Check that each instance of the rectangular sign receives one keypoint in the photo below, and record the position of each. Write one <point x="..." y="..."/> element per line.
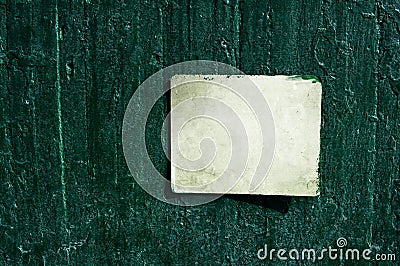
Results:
<point x="245" y="134"/>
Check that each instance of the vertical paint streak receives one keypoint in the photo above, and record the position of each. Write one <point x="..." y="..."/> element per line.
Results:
<point x="189" y="33"/>
<point x="7" y="128"/>
<point x="161" y="14"/>
<point x="371" y="185"/>
<point x="60" y="126"/>
<point x="237" y="25"/>
<point x="138" y="30"/>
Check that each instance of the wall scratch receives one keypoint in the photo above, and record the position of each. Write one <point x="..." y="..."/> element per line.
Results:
<point x="60" y="126"/>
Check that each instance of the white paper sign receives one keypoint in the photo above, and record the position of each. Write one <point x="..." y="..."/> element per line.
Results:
<point x="245" y="134"/>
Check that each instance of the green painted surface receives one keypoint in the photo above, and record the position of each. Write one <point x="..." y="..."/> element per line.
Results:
<point x="68" y="69"/>
<point x="307" y="77"/>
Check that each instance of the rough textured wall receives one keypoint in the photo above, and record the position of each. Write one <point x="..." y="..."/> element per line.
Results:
<point x="68" y="69"/>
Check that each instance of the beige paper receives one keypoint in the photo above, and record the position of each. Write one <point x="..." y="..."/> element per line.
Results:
<point x="199" y="102"/>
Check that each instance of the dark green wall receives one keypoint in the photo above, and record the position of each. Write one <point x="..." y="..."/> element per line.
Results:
<point x="75" y="202"/>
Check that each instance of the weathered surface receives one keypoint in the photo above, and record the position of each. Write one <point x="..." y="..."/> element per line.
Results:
<point x="68" y="69"/>
<point x="288" y="151"/>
